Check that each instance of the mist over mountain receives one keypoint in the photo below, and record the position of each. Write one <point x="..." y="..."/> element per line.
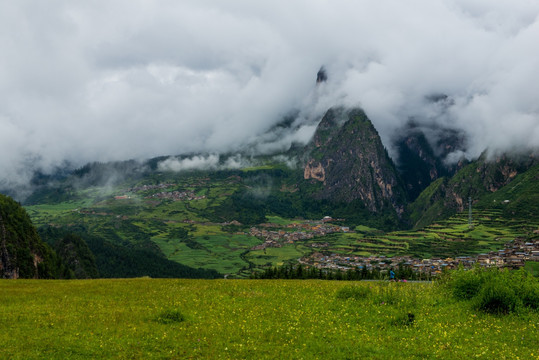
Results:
<point x="134" y="80"/>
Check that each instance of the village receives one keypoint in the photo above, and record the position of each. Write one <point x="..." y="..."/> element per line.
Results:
<point x="176" y="196"/>
<point x="184" y="195"/>
<point x="305" y="231"/>
<point x="514" y="255"/>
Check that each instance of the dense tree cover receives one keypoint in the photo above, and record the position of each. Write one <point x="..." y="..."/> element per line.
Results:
<point x="22" y="252"/>
<point x="248" y="209"/>
<point x="114" y="260"/>
<point x="73" y="251"/>
<point x="301" y="272"/>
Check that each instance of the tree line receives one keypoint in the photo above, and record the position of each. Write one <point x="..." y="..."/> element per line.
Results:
<point x="290" y="271"/>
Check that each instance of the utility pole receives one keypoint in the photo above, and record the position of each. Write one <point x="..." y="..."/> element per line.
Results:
<point x="470" y="224"/>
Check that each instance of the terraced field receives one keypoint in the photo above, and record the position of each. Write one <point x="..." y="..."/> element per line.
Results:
<point x="448" y="238"/>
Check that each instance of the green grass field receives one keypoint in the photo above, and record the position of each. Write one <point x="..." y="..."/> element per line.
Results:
<point x="251" y="319"/>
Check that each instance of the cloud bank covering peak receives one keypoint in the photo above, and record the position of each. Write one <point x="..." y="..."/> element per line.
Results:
<point x="100" y="81"/>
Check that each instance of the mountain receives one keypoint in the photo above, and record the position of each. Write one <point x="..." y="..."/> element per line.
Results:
<point x="347" y="156"/>
<point x="478" y="180"/>
<point x="22" y="253"/>
<point x="419" y="163"/>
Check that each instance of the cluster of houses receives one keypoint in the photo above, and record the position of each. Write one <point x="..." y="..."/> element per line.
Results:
<point x="304" y="231"/>
<point x="169" y="195"/>
<point x="149" y="187"/>
<point x="514" y="255"/>
<point x="176" y="195"/>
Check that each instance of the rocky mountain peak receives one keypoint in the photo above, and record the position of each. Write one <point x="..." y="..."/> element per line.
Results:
<point x="346" y="154"/>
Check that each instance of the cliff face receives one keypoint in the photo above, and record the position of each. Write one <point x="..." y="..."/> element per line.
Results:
<point x="347" y="156"/>
<point x="22" y="253"/>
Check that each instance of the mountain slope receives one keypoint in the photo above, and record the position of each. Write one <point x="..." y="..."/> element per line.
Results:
<point x="519" y="198"/>
<point x="22" y="253"/>
<point x="98" y="257"/>
<point x="477" y="181"/>
<point x="419" y="163"/>
<point x="347" y="156"/>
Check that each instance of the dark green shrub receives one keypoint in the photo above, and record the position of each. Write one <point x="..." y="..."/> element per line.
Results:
<point x="527" y="289"/>
<point x="170" y="316"/>
<point x="354" y="292"/>
<point x="497" y="298"/>
<point x="530" y="295"/>
<point x="493" y="290"/>
<point x="466" y="284"/>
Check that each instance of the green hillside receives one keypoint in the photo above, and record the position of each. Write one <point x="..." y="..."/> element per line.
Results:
<point x="519" y="198"/>
<point x="22" y="253"/>
<point x="233" y="222"/>
<point x="484" y="181"/>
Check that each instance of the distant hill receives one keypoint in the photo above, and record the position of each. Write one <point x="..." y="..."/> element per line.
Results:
<point x="519" y="198"/>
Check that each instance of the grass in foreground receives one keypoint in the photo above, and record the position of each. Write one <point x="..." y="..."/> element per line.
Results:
<point x="253" y="319"/>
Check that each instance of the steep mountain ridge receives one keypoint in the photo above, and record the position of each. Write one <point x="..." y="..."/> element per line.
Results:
<point x="347" y="156"/>
<point x="419" y="163"/>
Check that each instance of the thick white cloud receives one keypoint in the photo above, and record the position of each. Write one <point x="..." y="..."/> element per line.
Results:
<point x="203" y="162"/>
<point x="102" y="80"/>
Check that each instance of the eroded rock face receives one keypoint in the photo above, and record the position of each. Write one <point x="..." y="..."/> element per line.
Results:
<point x="314" y="170"/>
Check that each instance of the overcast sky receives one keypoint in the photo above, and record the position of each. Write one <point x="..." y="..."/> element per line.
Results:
<point x="111" y="80"/>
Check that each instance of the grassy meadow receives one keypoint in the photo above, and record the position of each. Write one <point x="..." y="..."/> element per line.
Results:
<point x="252" y="319"/>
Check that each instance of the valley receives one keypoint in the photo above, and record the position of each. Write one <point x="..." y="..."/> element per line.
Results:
<point x="191" y="218"/>
<point x="339" y="196"/>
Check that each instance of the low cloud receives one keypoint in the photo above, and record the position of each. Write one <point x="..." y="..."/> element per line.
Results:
<point x="106" y="81"/>
<point x="203" y="162"/>
<point x="193" y="163"/>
